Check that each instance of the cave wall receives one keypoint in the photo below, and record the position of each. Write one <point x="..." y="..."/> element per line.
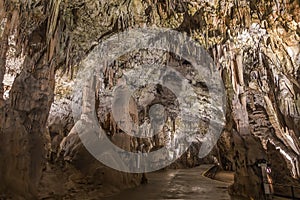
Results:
<point x="255" y="45"/>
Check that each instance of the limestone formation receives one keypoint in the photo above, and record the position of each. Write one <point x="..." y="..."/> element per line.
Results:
<point x="255" y="47"/>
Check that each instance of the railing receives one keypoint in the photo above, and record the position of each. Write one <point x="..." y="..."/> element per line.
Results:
<point x="287" y="191"/>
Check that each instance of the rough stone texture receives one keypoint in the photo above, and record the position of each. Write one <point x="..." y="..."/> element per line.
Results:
<point x="24" y="115"/>
<point x="255" y="45"/>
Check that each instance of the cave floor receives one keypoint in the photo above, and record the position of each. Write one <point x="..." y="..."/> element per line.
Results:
<point x="177" y="184"/>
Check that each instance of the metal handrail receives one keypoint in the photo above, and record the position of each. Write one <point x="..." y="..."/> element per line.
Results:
<point x="278" y="184"/>
<point x="292" y="190"/>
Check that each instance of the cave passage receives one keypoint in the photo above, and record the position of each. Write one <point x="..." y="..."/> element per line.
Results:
<point x="181" y="84"/>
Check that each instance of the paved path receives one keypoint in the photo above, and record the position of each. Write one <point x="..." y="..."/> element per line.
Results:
<point x="177" y="184"/>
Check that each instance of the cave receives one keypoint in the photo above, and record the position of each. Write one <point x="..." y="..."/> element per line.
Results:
<point x="149" y="99"/>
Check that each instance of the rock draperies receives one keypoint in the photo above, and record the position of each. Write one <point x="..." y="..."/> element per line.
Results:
<point x="255" y="44"/>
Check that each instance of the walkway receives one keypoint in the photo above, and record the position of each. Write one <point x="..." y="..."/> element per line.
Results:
<point x="177" y="184"/>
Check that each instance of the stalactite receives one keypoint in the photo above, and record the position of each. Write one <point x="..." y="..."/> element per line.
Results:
<point x="240" y="73"/>
<point x="233" y="72"/>
<point x="100" y="19"/>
